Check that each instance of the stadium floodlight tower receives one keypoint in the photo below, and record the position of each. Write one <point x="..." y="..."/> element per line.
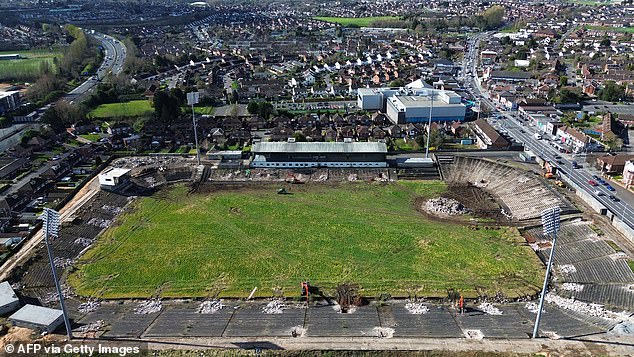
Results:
<point x="192" y="98"/>
<point x="431" y="109"/>
<point x="51" y="229"/>
<point x="551" y="224"/>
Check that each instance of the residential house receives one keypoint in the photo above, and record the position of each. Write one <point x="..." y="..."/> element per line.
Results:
<point x="488" y="137"/>
<point x="613" y="164"/>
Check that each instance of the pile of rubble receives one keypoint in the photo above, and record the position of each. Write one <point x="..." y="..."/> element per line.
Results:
<point x="274" y="307"/>
<point x="210" y="306"/>
<point x="63" y="263"/>
<point x="446" y="206"/>
<point x="89" y="306"/>
<point x="384" y="332"/>
<point x="567" y="269"/>
<point x="137" y="161"/>
<point x="532" y="307"/>
<point x="587" y="309"/>
<point x="98" y="222"/>
<point x="352" y="177"/>
<point x="84" y="241"/>
<point x="112" y="209"/>
<point x="53" y="298"/>
<point x="148" y="307"/>
<point x="572" y="287"/>
<point x="416" y="308"/>
<point x="91" y="329"/>
<point x="473" y="334"/>
<point x="489" y="309"/>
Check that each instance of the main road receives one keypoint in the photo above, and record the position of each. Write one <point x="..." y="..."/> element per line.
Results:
<point x="525" y="133"/>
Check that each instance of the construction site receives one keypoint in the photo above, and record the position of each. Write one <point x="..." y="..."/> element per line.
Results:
<point x="592" y="291"/>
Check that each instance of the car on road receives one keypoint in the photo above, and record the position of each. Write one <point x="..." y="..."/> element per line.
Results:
<point x="599" y="193"/>
<point x="610" y="188"/>
<point x="596" y="177"/>
<point x="593" y="183"/>
<point x="601" y="182"/>
<point x="613" y="198"/>
<point x="560" y="162"/>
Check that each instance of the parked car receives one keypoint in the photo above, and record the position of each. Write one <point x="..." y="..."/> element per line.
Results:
<point x="595" y="177"/>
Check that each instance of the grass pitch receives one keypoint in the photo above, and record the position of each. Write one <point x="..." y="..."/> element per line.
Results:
<point x="355" y="21"/>
<point x="33" y="64"/>
<point x="230" y="241"/>
<point x="135" y="108"/>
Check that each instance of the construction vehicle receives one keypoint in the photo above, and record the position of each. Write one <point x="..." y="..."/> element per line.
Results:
<point x="560" y="184"/>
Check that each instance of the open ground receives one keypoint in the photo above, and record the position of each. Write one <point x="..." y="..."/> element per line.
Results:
<point x="228" y="241"/>
<point x="33" y="64"/>
<point x="355" y="21"/>
<point x="135" y="108"/>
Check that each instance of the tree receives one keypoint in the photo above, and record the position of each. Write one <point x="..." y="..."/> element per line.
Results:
<point x="568" y="95"/>
<point x="493" y="17"/>
<point x="563" y="81"/>
<point x="612" y="92"/>
<point x="397" y="83"/>
<point x="167" y="106"/>
<point x="253" y="107"/>
<point x="605" y="42"/>
<point x="299" y="137"/>
<point x="612" y="141"/>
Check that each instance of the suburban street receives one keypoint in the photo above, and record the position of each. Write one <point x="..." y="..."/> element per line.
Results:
<point x="524" y="133"/>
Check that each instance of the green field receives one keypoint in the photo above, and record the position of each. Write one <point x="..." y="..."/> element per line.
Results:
<point x="32" y="64"/>
<point x="355" y="21"/>
<point x="228" y="242"/>
<point x="612" y="29"/>
<point x="135" y="108"/>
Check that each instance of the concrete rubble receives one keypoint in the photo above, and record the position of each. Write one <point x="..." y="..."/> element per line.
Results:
<point x="84" y="241"/>
<point x="567" y="268"/>
<point x="624" y="328"/>
<point x="552" y="335"/>
<point x="416" y="308"/>
<point x="91" y="328"/>
<point x="53" y="298"/>
<point x="532" y="307"/>
<point x="101" y="223"/>
<point x="352" y="177"/>
<point x="489" y="309"/>
<point x="383" y="332"/>
<point x="89" y="306"/>
<point x="274" y="307"/>
<point x="298" y="331"/>
<point x="210" y="306"/>
<point x="572" y="287"/>
<point x="63" y="262"/>
<point x="138" y="161"/>
<point x="587" y="309"/>
<point x="473" y="334"/>
<point x="446" y="206"/>
<point x="148" y="307"/>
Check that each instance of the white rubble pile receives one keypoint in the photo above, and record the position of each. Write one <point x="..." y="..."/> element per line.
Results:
<point x="85" y="242"/>
<point x="474" y="334"/>
<point x="567" y="269"/>
<point x="552" y="335"/>
<point x="89" y="306"/>
<point x="112" y="209"/>
<point x="148" y="307"/>
<point x="274" y="307"/>
<point x="91" y="328"/>
<point x="298" y="331"/>
<point x="137" y="161"/>
<point x="416" y="308"/>
<point x="99" y="222"/>
<point x="210" y="306"/>
<point x="619" y="255"/>
<point x="489" y="309"/>
<point x="352" y="177"/>
<point x="338" y="309"/>
<point x="384" y="332"/>
<point x="63" y="262"/>
<point x="532" y="307"/>
<point x="17" y="286"/>
<point x="54" y="298"/>
<point x="572" y="287"/>
<point x="321" y="178"/>
<point x="595" y="310"/>
<point x="446" y="206"/>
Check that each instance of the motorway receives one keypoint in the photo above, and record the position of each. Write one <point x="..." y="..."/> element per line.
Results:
<point x="523" y="132"/>
<point x="114" y="57"/>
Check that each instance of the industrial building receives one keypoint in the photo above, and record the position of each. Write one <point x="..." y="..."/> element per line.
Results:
<point x="9" y="101"/>
<point x="38" y="318"/>
<point x="8" y="300"/>
<point x="317" y="154"/>
<point x="113" y="178"/>
<point x="413" y="105"/>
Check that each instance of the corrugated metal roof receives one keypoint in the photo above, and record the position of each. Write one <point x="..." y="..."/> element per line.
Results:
<point x="42" y="316"/>
<point x="7" y="295"/>
<point x="318" y="147"/>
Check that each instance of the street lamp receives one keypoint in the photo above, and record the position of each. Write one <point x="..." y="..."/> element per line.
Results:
<point x="550" y="222"/>
<point x="192" y="98"/>
<point x="51" y="228"/>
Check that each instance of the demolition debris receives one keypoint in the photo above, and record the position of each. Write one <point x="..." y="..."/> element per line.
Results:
<point x="210" y="306"/>
<point x="489" y="309"/>
<point x="446" y="206"/>
<point x="416" y="308"/>
<point x="274" y="307"/>
<point x="148" y="307"/>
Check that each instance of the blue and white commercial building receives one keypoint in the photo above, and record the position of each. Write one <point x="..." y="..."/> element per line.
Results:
<point x="413" y="105"/>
